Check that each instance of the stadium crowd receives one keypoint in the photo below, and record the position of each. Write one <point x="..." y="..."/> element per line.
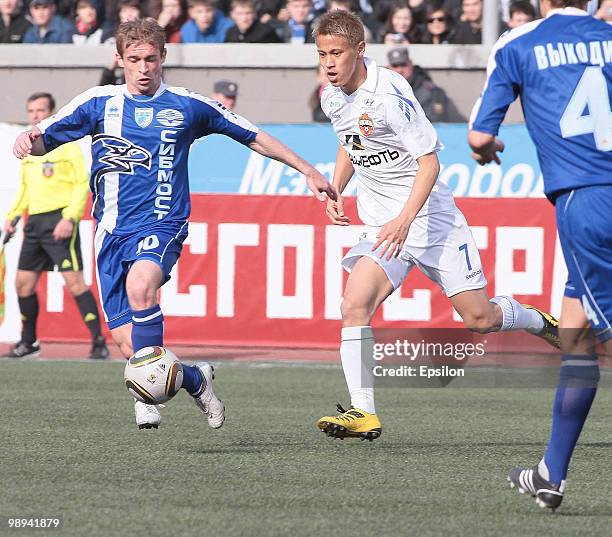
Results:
<point x="396" y="22"/>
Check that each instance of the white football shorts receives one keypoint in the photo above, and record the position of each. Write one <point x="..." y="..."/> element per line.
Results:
<point x="441" y="245"/>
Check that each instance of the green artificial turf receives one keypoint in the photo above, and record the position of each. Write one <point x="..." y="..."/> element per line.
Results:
<point x="69" y="446"/>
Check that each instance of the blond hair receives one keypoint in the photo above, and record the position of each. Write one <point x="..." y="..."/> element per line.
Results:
<point x="140" y="31"/>
<point x="340" y="23"/>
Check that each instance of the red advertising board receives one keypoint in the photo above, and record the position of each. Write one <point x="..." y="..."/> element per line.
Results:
<point x="265" y="270"/>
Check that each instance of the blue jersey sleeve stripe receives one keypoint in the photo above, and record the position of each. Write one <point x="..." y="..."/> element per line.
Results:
<point x="74" y="120"/>
<point x="220" y="120"/>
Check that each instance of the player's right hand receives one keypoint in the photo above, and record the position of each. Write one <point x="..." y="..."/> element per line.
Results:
<point x="335" y="212"/>
<point x="23" y="144"/>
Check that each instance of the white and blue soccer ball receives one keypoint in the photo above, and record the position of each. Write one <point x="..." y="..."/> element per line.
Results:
<point x="153" y="375"/>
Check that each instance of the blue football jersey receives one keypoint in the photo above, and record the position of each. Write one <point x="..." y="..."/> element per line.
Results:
<point x="560" y="67"/>
<point x="140" y="147"/>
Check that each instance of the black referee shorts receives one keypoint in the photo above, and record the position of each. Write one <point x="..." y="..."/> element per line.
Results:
<point x="41" y="252"/>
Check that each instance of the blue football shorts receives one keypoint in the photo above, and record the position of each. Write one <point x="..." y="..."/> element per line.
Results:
<point x="584" y="221"/>
<point x="161" y="243"/>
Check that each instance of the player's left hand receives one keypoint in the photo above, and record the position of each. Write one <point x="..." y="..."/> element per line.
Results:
<point x="393" y="235"/>
<point x="63" y="229"/>
<point x="320" y="186"/>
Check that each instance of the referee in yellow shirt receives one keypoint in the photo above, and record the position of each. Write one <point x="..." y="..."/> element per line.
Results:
<point x="53" y="191"/>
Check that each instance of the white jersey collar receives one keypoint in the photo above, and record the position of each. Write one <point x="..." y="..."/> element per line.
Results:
<point x="566" y="11"/>
<point x="371" y="80"/>
<point x="160" y="90"/>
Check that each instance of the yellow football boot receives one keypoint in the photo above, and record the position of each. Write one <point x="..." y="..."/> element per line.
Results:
<point x="550" y="332"/>
<point x="351" y="423"/>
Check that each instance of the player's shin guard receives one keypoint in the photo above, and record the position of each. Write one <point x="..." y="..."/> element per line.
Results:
<point x="575" y="393"/>
<point x="28" y="307"/>
<point x="356" y="353"/>
<point x="516" y="316"/>
<point x="89" y="312"/>
<point x="147" y="328"/>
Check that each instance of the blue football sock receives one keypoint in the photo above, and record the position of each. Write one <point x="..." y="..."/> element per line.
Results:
<point x="575" y="393"/>
<point x="147" y="328"/>
<point x="193" y="381"/>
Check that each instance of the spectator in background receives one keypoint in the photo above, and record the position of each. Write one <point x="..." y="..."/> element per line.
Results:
<point x="469" y="30"/>
<point x="418" y="8"/>
<point x="13" y="23"/>
<point x="171" y="18"/>
<point x="269" y="9"/>
<point x="125" y="10"/>
<point x="47" y="27"/>
<point x="53" y="191"/>
<point x="226" y="92"/>
<point x="297" y="29"/>
<point x="521" y="12"/>
<point x="351" y="6"/>
<point x="314" y="101"/>
<point x="401" y="28"/>
<point x="88" y="30"/>
<point x="207" y="24"/>
<point x="247" y="29"/>
<point x="438" y="24"/>
<point x="433" y="99"/>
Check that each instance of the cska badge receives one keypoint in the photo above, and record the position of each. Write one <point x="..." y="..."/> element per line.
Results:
<point x="366" y="125"/>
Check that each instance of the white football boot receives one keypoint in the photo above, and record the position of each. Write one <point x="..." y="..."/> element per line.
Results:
<point x="147" y="416"/>
<point x="212" y="407"/>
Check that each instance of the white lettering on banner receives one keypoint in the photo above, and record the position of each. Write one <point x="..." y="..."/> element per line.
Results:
<point x="259" y="178"/>
<point x="192" y="303"/>
<point x="507" y="280"/>
<point x="559" y="278"/>
<point x="462" y="172"/>
<point x="481" y="238"/>
<point x="230" y="237"/>
<point x="488" y="182"/>
<point x="336" y="239"/>
<point x="55" y="280"/>
<point x="279" y="305"/>
<point x="525" y="172"/>
<point x="494" y="174"/>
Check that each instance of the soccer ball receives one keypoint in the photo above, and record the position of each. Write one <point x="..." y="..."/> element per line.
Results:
<point x="153" y="375"/>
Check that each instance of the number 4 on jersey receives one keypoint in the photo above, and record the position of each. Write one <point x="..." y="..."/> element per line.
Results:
<point x="591" y="93"/>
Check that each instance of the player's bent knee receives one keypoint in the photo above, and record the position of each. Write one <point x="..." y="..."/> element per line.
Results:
<point x="355" y="314"/>
<point x="141" y="295"/>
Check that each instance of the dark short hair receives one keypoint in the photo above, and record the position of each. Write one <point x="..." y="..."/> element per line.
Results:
<point x="568" y="3"/>
<point x="522" y="6"/>
<point x="342" y="24"/>
<point x="43" y="95"/>
<point x="140" y="31"/>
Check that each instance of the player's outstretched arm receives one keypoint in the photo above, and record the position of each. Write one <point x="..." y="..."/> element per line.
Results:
<point x="485" y="147"/>
<point x="343" y="171"/>
<point x="393" y="234"/>
<point x="268" y="146"/>
<point x="29" y="142"/>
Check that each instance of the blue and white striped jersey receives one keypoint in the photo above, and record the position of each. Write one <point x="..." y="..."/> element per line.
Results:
<point x="560" y="67"/>
<point x="140" y="147"/>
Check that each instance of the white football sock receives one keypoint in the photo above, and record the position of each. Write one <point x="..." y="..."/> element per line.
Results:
<point x="517" y="316"/>
<point x="356" y="353"/>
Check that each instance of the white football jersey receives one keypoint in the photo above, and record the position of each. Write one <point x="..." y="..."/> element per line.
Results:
<point x="384" y="130"/>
